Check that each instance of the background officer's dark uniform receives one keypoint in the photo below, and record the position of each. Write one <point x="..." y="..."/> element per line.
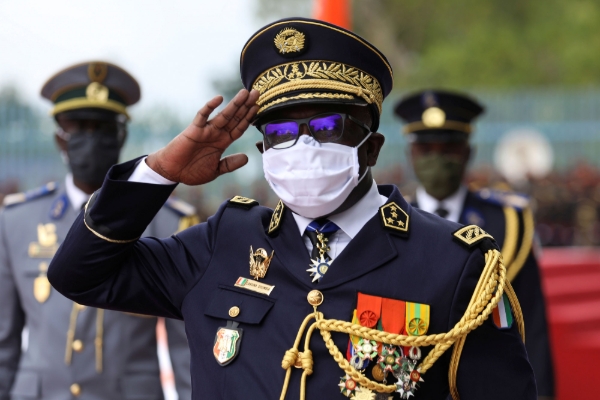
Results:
<point x="74" y="351"/>
<point x="505" y="215"/>
<point x="195" y="275"/>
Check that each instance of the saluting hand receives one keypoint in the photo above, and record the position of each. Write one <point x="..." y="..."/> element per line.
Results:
<point x="194" y="156"/>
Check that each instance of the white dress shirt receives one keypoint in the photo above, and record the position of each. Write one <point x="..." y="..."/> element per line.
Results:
<point x="350" y="221"/>
<point x="453" y="204"/>
<point x="77" y="197"/>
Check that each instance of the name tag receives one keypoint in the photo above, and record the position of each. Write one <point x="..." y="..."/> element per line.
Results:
<point x="254" y="285"/>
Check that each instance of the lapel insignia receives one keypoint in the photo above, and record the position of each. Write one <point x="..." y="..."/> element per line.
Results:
<point x="394" y="218"/>
<point x="243" y="202"/>
<point x="47" y="243"/>
<point x="259" y="262"/>
<point x="276" y="217"/>
<point x="41" y="285"/>
<point x="227" y="343"/>
<point x="471" y="235"/>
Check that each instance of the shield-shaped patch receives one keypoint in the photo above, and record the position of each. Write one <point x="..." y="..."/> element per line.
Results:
<point x="227" y="343"/>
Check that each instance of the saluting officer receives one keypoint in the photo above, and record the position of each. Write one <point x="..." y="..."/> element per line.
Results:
<point x="75" y="351"/>
<point x="439" y="126"/>
<point x="368" y="297"/>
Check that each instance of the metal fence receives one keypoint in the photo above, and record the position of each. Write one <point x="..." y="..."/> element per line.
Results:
<point x="569" y="119"/>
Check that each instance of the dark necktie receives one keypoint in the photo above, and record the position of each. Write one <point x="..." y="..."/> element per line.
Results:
<point x="442" y="212"/>
<point x="322" y="227"/>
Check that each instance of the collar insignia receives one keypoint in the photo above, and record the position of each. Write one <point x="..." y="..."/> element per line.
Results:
<point x="394" y="218"/>
<point x="471" y="235"/>
<point x="276" y="217"/>
<point x="243" y="202"/>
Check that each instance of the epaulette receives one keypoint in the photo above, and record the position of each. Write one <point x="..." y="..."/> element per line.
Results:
<point x="242" y="202"/>
<point x="18" y="198"/>
<point x="180" y="207"/>
<point x="503" y="199"/>
<point x="472" y="235"/>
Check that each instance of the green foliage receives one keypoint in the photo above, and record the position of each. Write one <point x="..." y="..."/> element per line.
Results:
<point x="489" y="43"/>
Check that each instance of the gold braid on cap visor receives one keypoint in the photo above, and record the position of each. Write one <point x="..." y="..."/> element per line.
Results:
<point x="318" y="76"/>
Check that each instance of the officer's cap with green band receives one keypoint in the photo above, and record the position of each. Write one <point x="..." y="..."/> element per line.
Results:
<point x="94" y="84"/>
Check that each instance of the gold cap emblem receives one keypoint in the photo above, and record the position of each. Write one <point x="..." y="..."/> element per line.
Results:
<point x="434" y="117"/>
<point x="289" y="40"/>
<point x="97" y="92"/>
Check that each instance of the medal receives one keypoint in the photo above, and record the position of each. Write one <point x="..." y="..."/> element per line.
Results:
<point x="408" y="375"/>
<point x="259" y="262"/>
<point x="347" y="386"/>
<point x="227" y="343"/>
<point x="389" y="359"/>
<point x="321" y="264"/>
<point x="41" y="285"/>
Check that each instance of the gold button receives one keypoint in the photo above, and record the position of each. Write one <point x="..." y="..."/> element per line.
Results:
<point x="78" y="345"/>
<point x="315" y="298"/>
<point x="234" y="311"/>
<point x="75" y="389"/>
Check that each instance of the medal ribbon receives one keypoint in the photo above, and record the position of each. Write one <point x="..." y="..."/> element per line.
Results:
<point x="368" y="310"/>
<point x="393" y="315"/>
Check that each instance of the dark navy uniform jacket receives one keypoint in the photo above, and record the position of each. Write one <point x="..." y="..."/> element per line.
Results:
<point x="485" y="208"/>
<point x="192" y="275"/>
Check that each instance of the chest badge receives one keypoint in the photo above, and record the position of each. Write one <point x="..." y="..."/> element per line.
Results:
<point x="47" y="243"/>
<point x="259" y="262"/>
<point x="41" y="285"/>
<point x="227" y="343"/>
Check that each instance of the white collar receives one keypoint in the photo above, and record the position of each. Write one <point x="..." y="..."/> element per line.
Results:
<point x="77" y="197"/>
<point x="453" y="203"/>
<point x="353" y="219"/>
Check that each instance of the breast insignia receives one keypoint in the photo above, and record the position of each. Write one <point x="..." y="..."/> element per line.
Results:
<point x="259" y="262"/>
<point x="394" y="218"/>
<point x="47" y="243"/>
<point x="471" y="235"/>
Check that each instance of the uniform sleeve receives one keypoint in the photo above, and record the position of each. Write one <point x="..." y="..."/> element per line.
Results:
<point x="102" y="263"/>
<point x="12" y="320"/>
<point x="494" y="363"/>
<point x="180" y="357"/>
<point x="527" y="285"/>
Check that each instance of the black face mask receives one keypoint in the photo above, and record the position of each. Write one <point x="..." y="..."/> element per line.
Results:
<point x="92" y="155"/>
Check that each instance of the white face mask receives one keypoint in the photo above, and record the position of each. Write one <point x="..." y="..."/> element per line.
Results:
<point x="312" y="178"/>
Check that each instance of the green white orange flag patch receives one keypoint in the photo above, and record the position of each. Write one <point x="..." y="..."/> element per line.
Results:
<point x="502" y="314"/>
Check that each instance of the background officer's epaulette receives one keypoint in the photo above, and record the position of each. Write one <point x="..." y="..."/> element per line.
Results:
<point x="503" y="198"/>
<point x="242" y="202"/>
<point x="17" y="198"/>
<point x="180" y="207"/>
<point x="472" y="235"/>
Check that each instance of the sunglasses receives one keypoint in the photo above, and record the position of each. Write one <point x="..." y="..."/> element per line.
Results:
<point x="324" y="128"/>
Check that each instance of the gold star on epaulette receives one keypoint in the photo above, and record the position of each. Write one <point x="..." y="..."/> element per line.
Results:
<point x="243" y="202"/>
<point x="471" y="235"/>
<point x="276" y="217"/>
<point x="394" y="217"/>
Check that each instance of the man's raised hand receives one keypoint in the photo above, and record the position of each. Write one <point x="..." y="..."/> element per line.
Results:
<point x="194" y="156"/>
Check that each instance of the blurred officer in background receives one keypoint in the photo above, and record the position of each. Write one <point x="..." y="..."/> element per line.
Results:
<point x="438" y="125"/>
<point x="73" y="350"/>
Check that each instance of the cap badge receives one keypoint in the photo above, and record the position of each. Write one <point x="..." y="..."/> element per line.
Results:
<point x="97" y="92"/>
<point x="289" y="40"/>
<point x="434" y="117"/>
<point x="97" y="72"/>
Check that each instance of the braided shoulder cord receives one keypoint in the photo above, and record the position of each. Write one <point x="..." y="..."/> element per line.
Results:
<point x="486" y="296"/>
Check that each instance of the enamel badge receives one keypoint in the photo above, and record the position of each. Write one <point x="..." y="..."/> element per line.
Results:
<point x="227" y="343"/>
<point x="259" y="262"/>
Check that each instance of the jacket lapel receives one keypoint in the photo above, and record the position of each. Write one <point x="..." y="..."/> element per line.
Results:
<point x="371" y="248"/>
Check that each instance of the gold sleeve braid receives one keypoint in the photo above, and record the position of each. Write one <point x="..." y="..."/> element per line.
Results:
<point x="492" y="284"/>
